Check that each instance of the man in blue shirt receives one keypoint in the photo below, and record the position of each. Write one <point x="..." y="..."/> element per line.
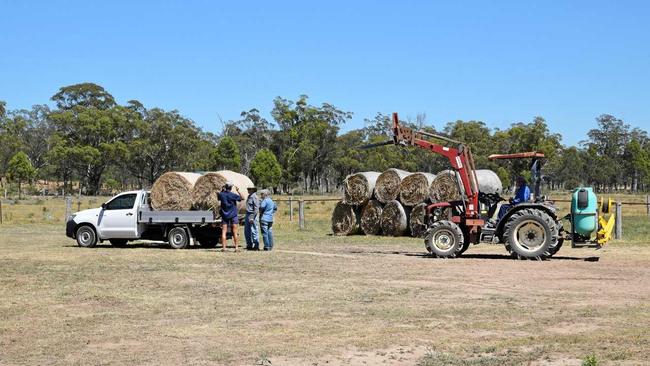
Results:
<point x="267" y="210"/>
<point x="522" y="194"/>
<point x="228" y="211"/>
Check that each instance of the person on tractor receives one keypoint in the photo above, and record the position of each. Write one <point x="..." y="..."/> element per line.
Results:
<point x="522" y="194"/>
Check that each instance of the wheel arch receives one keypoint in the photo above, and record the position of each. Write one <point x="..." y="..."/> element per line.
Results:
<point x="77" y="226"/>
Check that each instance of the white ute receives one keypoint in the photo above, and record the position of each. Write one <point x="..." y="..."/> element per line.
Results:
<point x="128" y="216"/>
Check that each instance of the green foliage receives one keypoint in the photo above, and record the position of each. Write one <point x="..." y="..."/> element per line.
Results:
<point x="590" y="360"/>
<point x="266" y="169"/>
<point x="84" y="95"/>
<point x="112" y="185"/>
<point x="163" y="141"/>
<point x="306" y="142"/>
<point x="20" y="169"/>
<point x="226" y="155"/>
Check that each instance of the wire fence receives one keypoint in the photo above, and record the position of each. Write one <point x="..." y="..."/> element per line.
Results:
<point x="296" y="209"/>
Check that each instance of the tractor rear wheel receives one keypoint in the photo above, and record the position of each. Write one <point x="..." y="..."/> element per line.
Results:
<point x="530" y="234"/>
<point x="444" y="239"/>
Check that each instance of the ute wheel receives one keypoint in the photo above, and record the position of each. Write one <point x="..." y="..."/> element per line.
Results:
<point x="86" y="236"/>
<point x="118" y="243"/>
<point x="444" y="239"/>
<point x="178" y="238"/>
<point x="530" y="234"/>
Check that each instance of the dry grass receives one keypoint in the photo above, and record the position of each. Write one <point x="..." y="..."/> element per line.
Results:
<point x="316" y="299"/>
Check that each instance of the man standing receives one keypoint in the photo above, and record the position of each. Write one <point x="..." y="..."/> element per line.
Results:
<point x="228" y="210"/>
<point x="250" y="222"/>
<point x="267" y="209"/>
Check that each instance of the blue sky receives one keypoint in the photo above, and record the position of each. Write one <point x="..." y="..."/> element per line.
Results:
<point x="496" y="61"/>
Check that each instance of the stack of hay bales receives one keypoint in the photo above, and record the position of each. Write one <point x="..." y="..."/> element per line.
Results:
<point x="182" y="191"/>
<point x="394" y="202"/>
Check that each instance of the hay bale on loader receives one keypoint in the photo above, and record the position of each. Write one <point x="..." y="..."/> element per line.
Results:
<point x="414" y="188"/>
<point x="371" y="217"/>
<point x="394" y="219"/>
<point x="204" y="194"/>
<point x="346" y="219"/>
<point x="359" y="187"/>
<point x="446" y="188"/>
<point x="388" y="182"/>
<point x="173" y="191"/>
<point x="488" y="181"/>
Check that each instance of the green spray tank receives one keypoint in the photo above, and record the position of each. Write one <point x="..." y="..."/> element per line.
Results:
<point x="589" y="217"/>
<point x="584" y="212"/>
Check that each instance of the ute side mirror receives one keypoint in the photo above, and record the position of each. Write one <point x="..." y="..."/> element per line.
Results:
<point x="104" y="205"/>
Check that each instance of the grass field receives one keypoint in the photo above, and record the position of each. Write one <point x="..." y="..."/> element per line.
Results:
<point x="316" y="300"/>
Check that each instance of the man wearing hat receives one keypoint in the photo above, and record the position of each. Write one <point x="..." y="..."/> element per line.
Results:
<point x="228" y="211"/>
<point x="250" y="222"/>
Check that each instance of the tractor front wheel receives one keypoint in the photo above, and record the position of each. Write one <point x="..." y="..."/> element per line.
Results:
<point x="444" y="239"/>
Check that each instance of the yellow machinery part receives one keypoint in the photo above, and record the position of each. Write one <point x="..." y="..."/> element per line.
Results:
<point x="605" y="225"/>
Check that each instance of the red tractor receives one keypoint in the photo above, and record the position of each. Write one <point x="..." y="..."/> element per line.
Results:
<point x="530" y="230"/>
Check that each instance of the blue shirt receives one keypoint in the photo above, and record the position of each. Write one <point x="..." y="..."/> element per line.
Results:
<point x="522" y="195"/>
<point x="228" y="201"/>
<point x="267" y="209"/>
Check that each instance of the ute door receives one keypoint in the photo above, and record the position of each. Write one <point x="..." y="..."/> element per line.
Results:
<point x="117" y="220"/>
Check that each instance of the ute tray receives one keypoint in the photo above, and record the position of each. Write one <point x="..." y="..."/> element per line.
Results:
<point x="148" y="216"/>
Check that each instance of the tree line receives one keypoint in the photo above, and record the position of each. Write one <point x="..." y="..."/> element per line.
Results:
<point x="88" y="138"/>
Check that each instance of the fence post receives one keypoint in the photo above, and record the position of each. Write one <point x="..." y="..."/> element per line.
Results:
<point x="301" y="214"/>
<point x="647" y="204"/>
<point x="0" y="212"/>
<point x="290" y="209"/>
<point x="618" y="225"/>
<point x="68" y="207"/>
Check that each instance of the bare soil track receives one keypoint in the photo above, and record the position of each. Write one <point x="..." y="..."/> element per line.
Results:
<point x="318" y="299"/>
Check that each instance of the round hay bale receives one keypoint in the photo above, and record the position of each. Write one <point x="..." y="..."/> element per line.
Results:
<point x="371" y="218"/>
<point x="394" y="219"/>
<point x="359" y="187"/>
<point x="345" y="219"/>
<point x="414" y="188"/>
<point x="173" y="191"/>
<point x="204" y="194"/>
<point x="488" y="181"/>
<point x="444" y="187"/>
<point x="387" y="186"/>
<point x="418" y="220"/>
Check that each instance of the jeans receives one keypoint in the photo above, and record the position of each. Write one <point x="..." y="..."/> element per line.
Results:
<point x="267" y="234"/>
<point x="250" y="232"/>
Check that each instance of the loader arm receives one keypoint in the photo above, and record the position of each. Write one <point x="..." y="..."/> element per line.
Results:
<point x="460" y="158"/>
